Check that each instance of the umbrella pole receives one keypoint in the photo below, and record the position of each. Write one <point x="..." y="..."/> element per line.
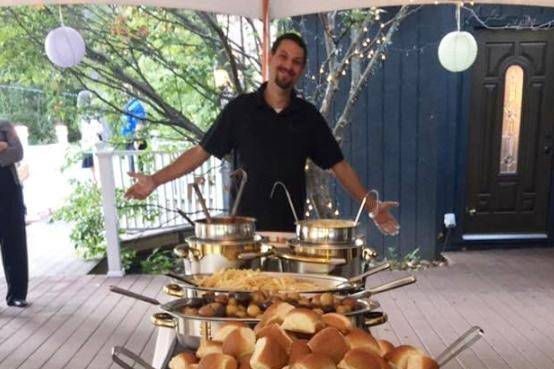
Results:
<point x="265" y="40"/>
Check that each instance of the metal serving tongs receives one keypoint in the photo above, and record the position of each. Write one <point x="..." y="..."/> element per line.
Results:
<point x="401" y="282"/>
<point x="465" y="341"/>
<point x="288" y="198"/>
<point x="371" y="271"/>
<point x="243" y="180"/>
<point x="119" y="353"/>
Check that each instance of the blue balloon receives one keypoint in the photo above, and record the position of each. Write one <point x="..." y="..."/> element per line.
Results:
<point x="135" y="113"/>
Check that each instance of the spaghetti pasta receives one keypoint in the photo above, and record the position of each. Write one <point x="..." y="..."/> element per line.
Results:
<point x="253" y="280"/>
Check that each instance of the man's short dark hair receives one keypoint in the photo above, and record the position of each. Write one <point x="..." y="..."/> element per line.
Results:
<point x="294" y="38"/>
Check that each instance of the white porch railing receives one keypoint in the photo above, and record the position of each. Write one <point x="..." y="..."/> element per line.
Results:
<point x="113" y="166"/>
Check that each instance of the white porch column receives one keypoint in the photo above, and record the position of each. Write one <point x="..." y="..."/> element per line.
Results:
<point x="104" y="154"/>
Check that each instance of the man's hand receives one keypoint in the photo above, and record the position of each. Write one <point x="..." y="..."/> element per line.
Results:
<point x="3" y="146"/>
<point x="142" y="188"/>
<point x="383" y="218"/>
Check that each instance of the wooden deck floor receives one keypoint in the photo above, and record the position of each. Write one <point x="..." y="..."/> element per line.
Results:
<point x="74" y="321"/>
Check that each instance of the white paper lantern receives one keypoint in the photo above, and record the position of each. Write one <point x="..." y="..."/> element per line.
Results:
<point x="64" y="47"/>
<point x="457" y="51"/>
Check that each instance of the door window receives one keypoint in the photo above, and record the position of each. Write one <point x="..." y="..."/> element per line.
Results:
<point x="511" y="120"/>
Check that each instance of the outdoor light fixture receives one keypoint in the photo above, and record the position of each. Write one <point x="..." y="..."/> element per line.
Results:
<point x="221" y="78"/>
<point x="64" y="46"/>
<point x="458" y="49"/>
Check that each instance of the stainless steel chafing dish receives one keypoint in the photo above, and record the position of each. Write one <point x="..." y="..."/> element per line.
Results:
<point x="323" y="231"/>
<point x="324" y="283"/>
<point x="337" y="259"/>
<point x="208" y="256"/>
<point x="190" y="328"/>
<point x="225" y="228"/>
<point x="223" y="241"/>
<point x="325" y="246"/>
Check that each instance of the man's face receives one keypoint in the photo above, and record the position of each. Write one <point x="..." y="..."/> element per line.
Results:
<point x="287" y="64"/>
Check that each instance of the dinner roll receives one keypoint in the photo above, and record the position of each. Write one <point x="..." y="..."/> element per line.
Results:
<point x="360" y="358"/>
<point x="385" y="346"/>
<point x="244" y="362"/>
<point x="225" y="329"/>
<point x="268" y="354"/>
<point x="275" y="313"/>
<point x="303" y="321"/>
<point x="359" y="338"/>
<point x="329" y="341"/>
<point x="314" y="361"/>
<point x="421" y="362"/>
<point x="339" y="321"/>
<point x="208" y="347"/>
<point x="182" y="361"/>
<point x="399" y="355"/>
<point x="217" y="361"/>
<point x="239" y="342"/>
<point x="274" y="331"/>
<point x="298" y="350"/>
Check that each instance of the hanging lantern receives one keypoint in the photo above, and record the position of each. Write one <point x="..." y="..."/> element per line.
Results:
<point x="84" y="99"/>
<point x="64" y="47"/>
<point x="457" y="51"/>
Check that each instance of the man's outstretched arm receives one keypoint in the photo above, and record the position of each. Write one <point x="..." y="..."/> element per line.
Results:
<point x="378" y="211"/>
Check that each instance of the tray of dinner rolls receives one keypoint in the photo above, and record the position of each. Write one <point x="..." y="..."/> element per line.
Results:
<point x="301" y="339"/>
<point x="296" y="338"/>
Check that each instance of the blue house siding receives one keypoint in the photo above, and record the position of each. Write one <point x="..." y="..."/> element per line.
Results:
<point x="409" y="133"/>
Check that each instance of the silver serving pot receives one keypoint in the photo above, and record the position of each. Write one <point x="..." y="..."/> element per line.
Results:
<point x="225" y="228"/>
<point x="344" y="260"/>
<point x="326" y="231"/>
<point x="210" y="256"/>
<point x="334" y="231"/>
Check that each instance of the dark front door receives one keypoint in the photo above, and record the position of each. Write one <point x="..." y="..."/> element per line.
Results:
<point x="510" y="138"/>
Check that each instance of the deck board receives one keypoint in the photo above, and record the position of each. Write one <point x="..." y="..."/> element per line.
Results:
<point x="74" y="321"/>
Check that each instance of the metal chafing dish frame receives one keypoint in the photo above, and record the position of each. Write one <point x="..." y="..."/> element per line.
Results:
<point x="466" y="340"/>
<point x="190" y="328"/>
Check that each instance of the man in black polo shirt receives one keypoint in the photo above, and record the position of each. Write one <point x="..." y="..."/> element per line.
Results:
<point x="271" y="133"/>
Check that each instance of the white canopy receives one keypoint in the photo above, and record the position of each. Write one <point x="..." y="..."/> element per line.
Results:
<point x="277" y="8"/>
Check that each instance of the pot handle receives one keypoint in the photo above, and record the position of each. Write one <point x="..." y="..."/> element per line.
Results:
<point x="243" y="180"/>
<point x="404" y="281"/>
<point x="185" y="252"/>
<point x="134" y="295"/>
<point x="173" y="289"/>
<point x="465" y="341"/>
<point x="164" y="320"/>
<point x="376" y="269"/>
<point x="310" y="259"/>
<point x="288" y="198"/>
<point x="119" y="352"/>
<point x="375" y="318"/>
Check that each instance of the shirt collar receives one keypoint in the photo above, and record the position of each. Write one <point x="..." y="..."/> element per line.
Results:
<point x="260" y="100"/>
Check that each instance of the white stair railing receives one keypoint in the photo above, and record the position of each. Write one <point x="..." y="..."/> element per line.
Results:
<point x="164" y="201"/>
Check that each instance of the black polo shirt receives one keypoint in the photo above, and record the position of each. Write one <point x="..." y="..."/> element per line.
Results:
<point x="272" y="147"/>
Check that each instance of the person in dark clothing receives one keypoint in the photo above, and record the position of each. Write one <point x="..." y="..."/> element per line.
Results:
<point x="13" y="238"/>
<point x="272" y="132"/>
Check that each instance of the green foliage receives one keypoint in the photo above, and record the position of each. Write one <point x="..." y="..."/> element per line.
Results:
<point x="84" y="210"/>
<point x="410" y="261"/>
<point x="158" y="262"/>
